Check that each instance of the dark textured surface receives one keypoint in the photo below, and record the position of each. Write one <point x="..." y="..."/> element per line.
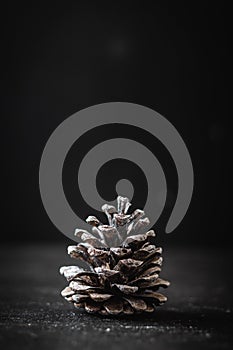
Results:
<point x="198" y="313"/>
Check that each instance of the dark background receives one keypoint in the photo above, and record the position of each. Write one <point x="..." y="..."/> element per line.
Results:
<point x="172" y="58"/>
<point x="57" y="59"/>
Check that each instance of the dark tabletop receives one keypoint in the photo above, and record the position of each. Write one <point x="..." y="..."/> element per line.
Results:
<point x="198" y="313"/>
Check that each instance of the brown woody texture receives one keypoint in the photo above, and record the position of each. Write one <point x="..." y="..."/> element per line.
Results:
<point x="124" y="265"/>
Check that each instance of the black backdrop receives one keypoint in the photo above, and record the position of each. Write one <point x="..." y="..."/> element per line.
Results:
<point x="172" y="58"/>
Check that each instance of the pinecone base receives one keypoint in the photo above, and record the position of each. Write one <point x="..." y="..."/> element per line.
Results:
<point x="121" y="280"/>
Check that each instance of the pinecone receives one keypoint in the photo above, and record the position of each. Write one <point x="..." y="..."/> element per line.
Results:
<point x="124" y="265"/>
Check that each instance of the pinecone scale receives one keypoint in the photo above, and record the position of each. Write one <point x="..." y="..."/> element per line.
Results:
<point x="122" y="279"/>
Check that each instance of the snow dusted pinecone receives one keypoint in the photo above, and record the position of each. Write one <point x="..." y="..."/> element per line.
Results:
<point x="124" y="265"/>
